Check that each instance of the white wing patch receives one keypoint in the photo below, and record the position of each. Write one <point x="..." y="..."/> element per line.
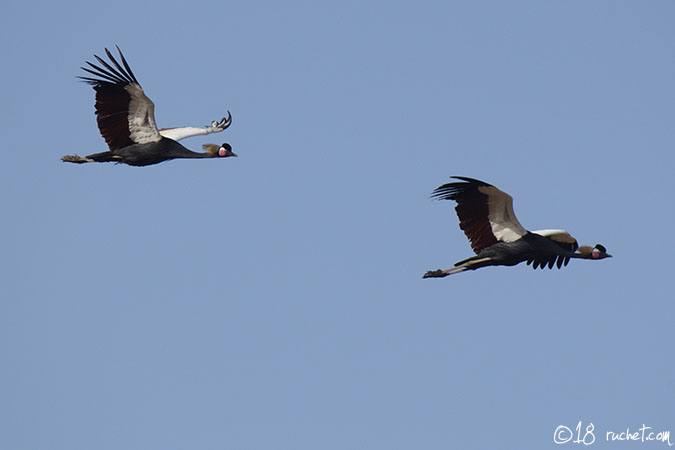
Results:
<point x="142" y="126"/>
<point x="505" y="225"/>
<point x="557" y="235"/>
<point x="181" y="133"/>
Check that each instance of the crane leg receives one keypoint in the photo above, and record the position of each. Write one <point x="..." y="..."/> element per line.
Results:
<point x="461" y="268"/>
<point x="75" y="159"/>
<point x="96" y="157"/>
<point x="443" y="273"/>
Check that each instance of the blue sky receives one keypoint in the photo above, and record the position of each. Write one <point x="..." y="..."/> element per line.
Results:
<point x="275" y="300"/>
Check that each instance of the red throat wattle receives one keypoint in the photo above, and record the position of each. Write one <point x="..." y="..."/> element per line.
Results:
<point x="221" y="151"/>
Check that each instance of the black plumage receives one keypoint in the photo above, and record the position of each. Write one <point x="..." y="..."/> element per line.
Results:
<point x="486" y="216"/>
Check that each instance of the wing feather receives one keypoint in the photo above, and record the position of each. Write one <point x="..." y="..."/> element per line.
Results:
<point x="125" y="115"/>
<point x="110" y="68"/>
<point x="124" y="61"/>
<point x="485" y="213"/>
<point x="561" y="237"/>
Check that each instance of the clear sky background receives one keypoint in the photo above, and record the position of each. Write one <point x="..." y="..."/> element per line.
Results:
<point x="275" y="300"/>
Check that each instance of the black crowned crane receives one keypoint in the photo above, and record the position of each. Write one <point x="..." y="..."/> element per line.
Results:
<point x="126" y="120"/>
<point x="486" y="216"/>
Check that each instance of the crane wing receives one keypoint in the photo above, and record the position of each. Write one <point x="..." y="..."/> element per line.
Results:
<point x="485" y="213"/>
<point x="185" y="132"/>
<point x="561" y="238"/>
<point x="125" y="115"/>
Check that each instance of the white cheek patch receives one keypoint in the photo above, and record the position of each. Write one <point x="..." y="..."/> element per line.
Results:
<point x="222" y="151"/>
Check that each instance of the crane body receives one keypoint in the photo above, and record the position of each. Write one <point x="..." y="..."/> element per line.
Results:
<point x="487" y="218"/>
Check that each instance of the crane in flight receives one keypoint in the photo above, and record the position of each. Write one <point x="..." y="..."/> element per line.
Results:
<point x="486" y="216"/>
<point x="126" y="120"/>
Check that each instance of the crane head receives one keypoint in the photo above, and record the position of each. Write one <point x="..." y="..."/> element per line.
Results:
<point x="219" y="151"/>
<point x="226" y="150"/>
<point x="599" y="252"/>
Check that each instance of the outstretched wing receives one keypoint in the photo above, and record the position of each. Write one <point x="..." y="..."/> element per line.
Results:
<point x="485" y="213"/>
<point x="125" y="115"/>
<point x="185" y="132"/>
<point x="561" y="238"/>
